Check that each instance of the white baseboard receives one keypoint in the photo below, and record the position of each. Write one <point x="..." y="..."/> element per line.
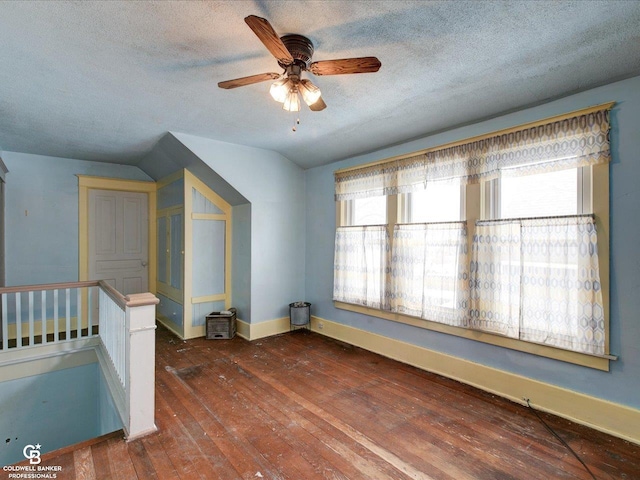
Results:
<point x="612" y="418"/>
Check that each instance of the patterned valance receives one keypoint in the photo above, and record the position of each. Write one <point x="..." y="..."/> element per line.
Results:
<point x="572" y="141"/>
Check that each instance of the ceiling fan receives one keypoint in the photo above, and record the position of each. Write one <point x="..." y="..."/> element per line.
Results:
<point x="293" y="53"/>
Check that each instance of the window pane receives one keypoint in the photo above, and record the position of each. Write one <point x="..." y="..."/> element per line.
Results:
<point x="369" y="211"/>
<point x="440" y="202"/>
<point x="542" y="195"/>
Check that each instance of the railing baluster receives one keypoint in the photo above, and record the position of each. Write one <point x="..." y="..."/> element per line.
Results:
<point x="56" y="327"/>
<point x="79" y="313"/>
<point x="5" y="323"/>
<point x="89" y="311"/>
<point x="31" y="326"/>
<point x="67" y="298"/>
<point x="43" y="307"/>
<point x="18" y="320"/>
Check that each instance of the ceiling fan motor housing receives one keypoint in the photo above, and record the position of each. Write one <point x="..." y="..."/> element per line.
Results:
<point x="301" y="49"/>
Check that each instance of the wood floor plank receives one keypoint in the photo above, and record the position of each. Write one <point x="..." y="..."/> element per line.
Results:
<point x="119" y="456"/>
<point x="160" y="461"/>
<point x="104" y="469"/>
<point x="141" y="461"/>
<point x="83" y="464"/>
<point x="197" y="433"/>
<point x="66" y="464"/>
<point x="177" y="444"/>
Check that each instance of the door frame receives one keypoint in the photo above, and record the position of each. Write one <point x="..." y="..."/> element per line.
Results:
<point x="86" y="183"/>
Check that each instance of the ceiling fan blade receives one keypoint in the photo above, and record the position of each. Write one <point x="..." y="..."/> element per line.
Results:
<point x="346" y="65"/>
<point x="319" y="105"/>
<point x="267" y="35"/>
<point x="241" y="82"/>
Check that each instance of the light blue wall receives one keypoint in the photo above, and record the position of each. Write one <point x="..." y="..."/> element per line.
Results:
<point x="54" y="409"/>
<point x="41" y="222"/>
<point x="621" y="384"/>
<point x="275" y="188"/>
<point x="241" y="261"/>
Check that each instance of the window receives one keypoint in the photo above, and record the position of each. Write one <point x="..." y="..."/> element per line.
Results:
<point x="563" y="192"/>
<point x="429" y="254"/>
<point x="361" y="252"/>
<point x="537" y="272"/>
<point x="528" y="195"/>
<point x="366" y="211"/>
<point x="441" y="201"/>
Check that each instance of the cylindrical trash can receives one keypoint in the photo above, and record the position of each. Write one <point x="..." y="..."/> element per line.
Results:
<point x="299" y="314"/>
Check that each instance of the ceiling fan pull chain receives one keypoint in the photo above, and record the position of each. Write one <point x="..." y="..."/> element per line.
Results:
<point x="296" y="123"/>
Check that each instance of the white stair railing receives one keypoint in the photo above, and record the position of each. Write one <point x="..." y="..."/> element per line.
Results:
<point x="41" y="314"/>
<point x="90" y="314"/>
<point x="113" y="329"/>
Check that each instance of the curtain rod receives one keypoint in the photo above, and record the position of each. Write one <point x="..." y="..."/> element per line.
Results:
<point x="556" y="217"/>
<point x="361" y="226"/>
<point x="524" y="126"/>
<point x="464" y="222"/>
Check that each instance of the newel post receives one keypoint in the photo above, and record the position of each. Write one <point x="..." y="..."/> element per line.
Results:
<point x="141" y="353"/>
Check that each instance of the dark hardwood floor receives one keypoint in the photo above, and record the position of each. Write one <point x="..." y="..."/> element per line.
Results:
<point x="301" y="406"/>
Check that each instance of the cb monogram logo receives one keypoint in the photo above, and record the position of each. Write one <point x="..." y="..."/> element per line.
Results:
<point x="32" y="452"/>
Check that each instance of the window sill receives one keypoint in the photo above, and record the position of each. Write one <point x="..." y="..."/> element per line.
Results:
<point x="585" y="360"/>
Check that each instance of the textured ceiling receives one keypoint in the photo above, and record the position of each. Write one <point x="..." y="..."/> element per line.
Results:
<point x="105" y="80"/>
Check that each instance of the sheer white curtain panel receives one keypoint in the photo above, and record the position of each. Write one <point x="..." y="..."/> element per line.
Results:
<point x="429" y="271"/>
<point x="538" y="280"/>
<point x="360" y="266"/>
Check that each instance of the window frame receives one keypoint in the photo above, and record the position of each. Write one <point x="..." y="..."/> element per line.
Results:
<point x="348" y="214"/>
<point x="490" y="192"/>
<point x="476" y="197"/>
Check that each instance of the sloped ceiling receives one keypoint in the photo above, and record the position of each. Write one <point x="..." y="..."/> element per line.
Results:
<point x="106" y="80"/>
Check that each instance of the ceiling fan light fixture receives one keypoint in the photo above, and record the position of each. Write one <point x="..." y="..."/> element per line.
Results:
<point x="294" y="54"/>
<point x="310" y="93"/>
<point x="292" y="102"/>
<point x="280" y="88"/>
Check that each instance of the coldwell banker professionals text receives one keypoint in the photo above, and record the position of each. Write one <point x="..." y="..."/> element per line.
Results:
<point x="32" y="471"/>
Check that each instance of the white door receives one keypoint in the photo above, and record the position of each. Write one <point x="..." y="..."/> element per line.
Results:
<point x="118" y="239"/>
